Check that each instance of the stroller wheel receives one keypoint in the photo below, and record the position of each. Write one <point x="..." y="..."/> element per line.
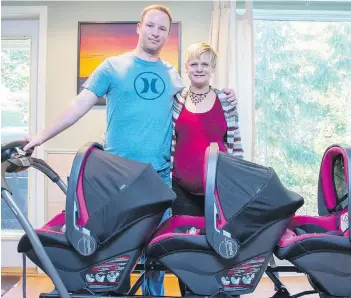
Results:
<point x="322" y="295"/>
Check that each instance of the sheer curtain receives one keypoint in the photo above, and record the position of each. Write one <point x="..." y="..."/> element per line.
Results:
<point x="231" y="35"/>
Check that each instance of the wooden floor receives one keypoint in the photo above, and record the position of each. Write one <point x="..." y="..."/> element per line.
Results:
<point x="40" y="284"/>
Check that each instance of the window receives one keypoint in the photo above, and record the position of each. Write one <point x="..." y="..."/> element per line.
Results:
<point x="302" y="98"/>
<point x="15" y="85"/>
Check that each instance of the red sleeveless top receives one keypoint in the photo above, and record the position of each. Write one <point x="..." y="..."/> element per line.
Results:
<point x="195" y="132"/>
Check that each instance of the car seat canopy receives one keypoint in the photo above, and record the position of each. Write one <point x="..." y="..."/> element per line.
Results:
<point x="251" y="196"/>
<point x="111" y="193"/>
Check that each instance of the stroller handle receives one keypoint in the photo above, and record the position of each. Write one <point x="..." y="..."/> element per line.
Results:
<point x="220" y="240"/>
<point x="14" y="160"/>
<point x="9" y="149"/>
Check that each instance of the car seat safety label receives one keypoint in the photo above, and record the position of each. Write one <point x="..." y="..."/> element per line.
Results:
<point x="243" y="276"/>
<point x="344" y="221"/>
<point x="107" y="274"/>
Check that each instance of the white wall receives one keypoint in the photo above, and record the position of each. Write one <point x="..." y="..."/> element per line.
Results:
<point x="62" y="43"/>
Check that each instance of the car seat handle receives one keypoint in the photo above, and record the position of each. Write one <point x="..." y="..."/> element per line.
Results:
<point x="81" y="238"/>
<point x="219" y="239"/>
<point x="348" y="162"/>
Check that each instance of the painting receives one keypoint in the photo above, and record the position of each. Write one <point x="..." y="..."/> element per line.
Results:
<point x="100" y="40"/>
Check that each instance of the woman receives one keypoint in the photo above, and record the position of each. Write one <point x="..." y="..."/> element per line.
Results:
<point x="201" y="115"/>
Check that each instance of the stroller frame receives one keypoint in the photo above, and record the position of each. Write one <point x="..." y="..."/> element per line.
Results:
<point x="13" y="160"/>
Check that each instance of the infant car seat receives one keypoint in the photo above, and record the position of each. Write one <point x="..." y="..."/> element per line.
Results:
<point x="247" y="210"/>
<point x="113" y="207"/>
<point x="321" y="245"/>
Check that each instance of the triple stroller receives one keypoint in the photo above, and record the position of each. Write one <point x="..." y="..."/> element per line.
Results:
<point x="114" y="207"/>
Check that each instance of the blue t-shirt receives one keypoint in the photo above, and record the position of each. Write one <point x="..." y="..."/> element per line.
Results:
<point x="139" y="99"/>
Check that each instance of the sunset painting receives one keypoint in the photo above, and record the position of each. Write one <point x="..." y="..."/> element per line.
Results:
<point x="98" y="41"/>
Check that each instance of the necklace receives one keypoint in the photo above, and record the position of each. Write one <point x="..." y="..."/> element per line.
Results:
<point x="197" y="98"/>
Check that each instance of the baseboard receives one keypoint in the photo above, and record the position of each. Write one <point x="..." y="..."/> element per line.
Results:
<point x="13" y="271"/>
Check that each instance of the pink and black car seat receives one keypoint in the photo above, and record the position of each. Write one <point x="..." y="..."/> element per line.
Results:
<point x="247" y="210"/>
<point x="113" y="206"/>
<point x="321" y="245"/>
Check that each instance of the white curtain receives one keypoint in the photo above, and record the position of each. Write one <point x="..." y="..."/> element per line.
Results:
<point x="231" y="35"/>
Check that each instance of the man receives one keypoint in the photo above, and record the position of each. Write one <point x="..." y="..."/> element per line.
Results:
<point x="139" y="89"/>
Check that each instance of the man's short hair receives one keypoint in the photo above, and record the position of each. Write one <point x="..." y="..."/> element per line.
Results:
<point x="157" y="7"/>
<point x="195" y="50"/>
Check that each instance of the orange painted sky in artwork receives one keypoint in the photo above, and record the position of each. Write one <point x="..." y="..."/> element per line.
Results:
<point x="100" y="41"/>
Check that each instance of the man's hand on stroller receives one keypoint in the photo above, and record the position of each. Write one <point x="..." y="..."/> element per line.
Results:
<point x="33" y="141"/>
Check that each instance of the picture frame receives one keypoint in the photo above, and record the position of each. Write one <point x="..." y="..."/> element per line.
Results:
<point x="100" y="40"/>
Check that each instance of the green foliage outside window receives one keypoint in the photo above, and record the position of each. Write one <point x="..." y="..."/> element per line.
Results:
<point x="302" y="98"/>
<point x="15" y="69"/>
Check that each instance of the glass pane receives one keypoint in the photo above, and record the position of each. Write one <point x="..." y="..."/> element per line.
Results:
<point x="15" y="78"/>
<point x="303" y="98"/>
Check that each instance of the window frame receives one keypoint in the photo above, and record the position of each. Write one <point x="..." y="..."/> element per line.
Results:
<point x="36" y="204"/>
<point x="302" y="15"/>
<point x="298" y="15"/>
<point x="311" y="15"/>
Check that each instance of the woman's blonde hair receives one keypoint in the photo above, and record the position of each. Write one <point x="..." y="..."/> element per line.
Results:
<point x="195" y="50"/>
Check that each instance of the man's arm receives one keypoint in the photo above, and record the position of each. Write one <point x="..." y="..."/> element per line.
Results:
<point x="231" y="96"/>
<point x="76" y="110"/>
